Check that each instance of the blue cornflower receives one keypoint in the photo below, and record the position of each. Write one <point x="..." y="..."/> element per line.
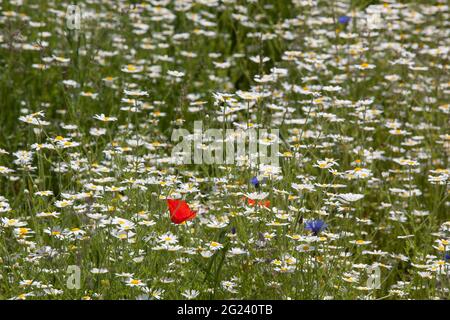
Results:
<point x="254" y="181"/>
<point x="344" y="19"/>
<point x="315" y="226"/>
<point x="447" y="256"/>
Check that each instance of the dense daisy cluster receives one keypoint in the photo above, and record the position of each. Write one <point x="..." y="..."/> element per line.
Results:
<point x="357" y="208"/>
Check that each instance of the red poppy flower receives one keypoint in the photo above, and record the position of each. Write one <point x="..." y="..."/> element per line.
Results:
<point x="179" y="211"/>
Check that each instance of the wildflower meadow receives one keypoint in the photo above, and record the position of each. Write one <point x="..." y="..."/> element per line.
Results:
<point x="224" y="149"/>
